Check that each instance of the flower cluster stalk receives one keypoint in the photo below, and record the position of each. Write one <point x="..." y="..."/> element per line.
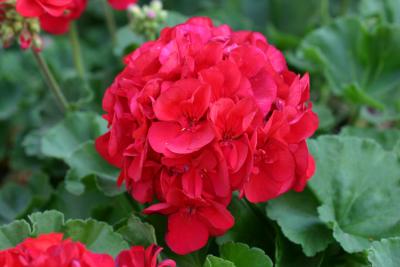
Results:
<point x="51" y="81"/>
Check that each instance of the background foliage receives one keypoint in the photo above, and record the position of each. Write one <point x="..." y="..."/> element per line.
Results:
<point x="349" y="213"/>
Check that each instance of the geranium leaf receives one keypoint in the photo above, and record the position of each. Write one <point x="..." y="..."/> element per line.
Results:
<point x="85" y="161"/>
<point x="296" y="214"/>
<point x="250" y="227"/>
<point x="288" y="255"/>
<point x="242" y="255"/>
<point x="17" y="200"/>
<point x="138" y="233"/>
<point x="64" y="138"/>
<point x="358" y="183"/>
<point x="387" y="138"/>
<point x="46" y="222"/>
<point x="359" y="63"/>
<point x="387" y="10"/>
<point x="385" y="253"/>
<point x="13" y="234"/>
<point x="212" y="261"/>
<point x="98" y="236"/>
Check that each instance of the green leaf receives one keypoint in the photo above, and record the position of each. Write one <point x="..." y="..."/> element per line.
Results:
<point x="127" y="40"/>
<point x="92" y="203"/>
<point x="251" y="227"/>
<point x="14" y="233"/>
<point x="242" y="255"/>
<point x="85" y="161"/>
<point x="387" y="137"/>
<point x="387" y="10"/>
<point x="64" y="138"/>
<point x="359" y="63"/>
<point x="296" y="214"/>
<point x="98" y="236"/>
<point x="212" y="261"/>
<point x="9" y="99"/>
<point x="46" y="222"/>
<point x="326" y="118"/>
<point x="290" y="255"/>
<point x="385" y="253"/>
<point x="358" y="184"/>
<point x="290" y="20"/>
<point x="17" y="200"/>
<point x="138" y="233"/>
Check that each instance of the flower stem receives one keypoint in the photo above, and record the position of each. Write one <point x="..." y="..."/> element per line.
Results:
<point x="76" y="51"/>
<point x="110" y="20"/>
<point x="51" y="81"/>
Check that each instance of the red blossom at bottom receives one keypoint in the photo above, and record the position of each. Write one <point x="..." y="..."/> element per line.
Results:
<point x="50" y="250"/>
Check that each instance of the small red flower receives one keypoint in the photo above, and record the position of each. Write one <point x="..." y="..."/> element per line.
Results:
<point x="121" y="4"/>
<point x="199" y="113"/>
<point x="36" y="8"/>
<point x="140" y="257"/>
<point x="60" y="24"/>
<point x="50" y="250"/>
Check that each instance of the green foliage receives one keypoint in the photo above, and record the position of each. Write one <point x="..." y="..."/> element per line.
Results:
<point x="17" y="200"/>
<point x="296" y="214"/>
<point x="242" y="255"/>
<point x="138" y="233"/>
<point x="360" y="198"/>
<point x="358" y="63"/>
<point x="212" y="261"/>
<point x="385" y="253"/>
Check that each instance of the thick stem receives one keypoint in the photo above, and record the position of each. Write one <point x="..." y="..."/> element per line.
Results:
<point x="110" y="20"/>
<point x="51" y="81"/>
<point x="76" y="51"/>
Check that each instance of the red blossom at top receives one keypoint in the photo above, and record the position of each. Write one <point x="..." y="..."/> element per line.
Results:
<point x="121" y="4"/>
<point x="199" y="113"/>
<point x="50" y="250"/>
<point x="54" y="16"/>
<point x="36" y="8"/>
<point x="60" y="24"/>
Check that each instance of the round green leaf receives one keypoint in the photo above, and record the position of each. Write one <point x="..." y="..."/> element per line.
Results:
<point x="212" y="261"/>
<point x="296" y="214"/>
<point x="98" y="236"/>
<point x="358" y="184"/>
<point x="242" y="255"/>
<point x="138" y="233"/>
<point x="385" y="253"/>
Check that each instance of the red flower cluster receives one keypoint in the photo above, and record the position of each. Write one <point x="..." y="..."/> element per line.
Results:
<point x="50" y="250"/>
<point x="199" y="113"/>
<point x="55" y="16"/>
<point x="121" y="4"/>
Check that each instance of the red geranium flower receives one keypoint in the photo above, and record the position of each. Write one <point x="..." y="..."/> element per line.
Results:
<point x="199" y="113"/>
<point x="55" y="16"/>
<point x="121" y="4"/>
<point x="140" y="257"/>
<point x="60" y="24"/>
<point x="36" y="8"/>
<point x="50" y="250"/>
